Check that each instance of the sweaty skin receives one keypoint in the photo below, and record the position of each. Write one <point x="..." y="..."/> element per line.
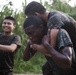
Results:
<point x="40" y="48"/>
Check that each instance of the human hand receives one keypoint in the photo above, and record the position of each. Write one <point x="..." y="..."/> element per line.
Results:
<point x="29" y="41"/>
<point x="32" y="45"/>
<point x="40" y="48"/>
<point x="35" y="46"/>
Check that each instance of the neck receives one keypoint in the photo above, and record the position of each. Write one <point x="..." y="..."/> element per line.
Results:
<point x="45" y="16"/>
<point x="7" y="34"/>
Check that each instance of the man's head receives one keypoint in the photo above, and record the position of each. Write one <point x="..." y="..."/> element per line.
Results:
<point x="34" y="28"/>
<point x="34" y="7"/>
<point x="8" y="24"/>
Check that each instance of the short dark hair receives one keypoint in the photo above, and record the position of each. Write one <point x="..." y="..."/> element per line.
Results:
<point x="33" y="7"/>
<point x="10" y="18"/>
<point x="32" y="20"/>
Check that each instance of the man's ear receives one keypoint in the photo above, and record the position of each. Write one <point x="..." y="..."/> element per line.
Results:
<point x="36" y="13"/>
<point x="42" y="27"/>
<point x="14" y="26"/>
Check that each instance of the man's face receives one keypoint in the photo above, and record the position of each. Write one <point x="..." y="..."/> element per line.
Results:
<point x="34" y="34"/>
<point x="8" y="26"/>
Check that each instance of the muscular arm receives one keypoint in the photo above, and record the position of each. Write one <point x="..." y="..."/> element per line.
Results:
<point x="64" y="58"/>
<point x="40" y="48"/>
<point x="28" y="53"/>
<point x="10" y="48"/>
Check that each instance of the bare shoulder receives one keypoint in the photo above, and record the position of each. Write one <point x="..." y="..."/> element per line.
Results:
<point x="53" y="35"/>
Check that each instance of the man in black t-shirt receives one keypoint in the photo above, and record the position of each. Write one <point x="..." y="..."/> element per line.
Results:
<point x="60" y="58"/>
<point x="54" y="20"/>
<point x="9" y="44"/>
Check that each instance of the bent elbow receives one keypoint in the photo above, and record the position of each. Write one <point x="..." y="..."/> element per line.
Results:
<point x="69" y="63"/>
<point x="12" y="50"/>
<point x="67" y="66"/>
<point x="26" y="58"/>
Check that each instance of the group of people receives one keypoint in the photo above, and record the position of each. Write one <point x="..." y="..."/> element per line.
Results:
<point x="48" y="33"/>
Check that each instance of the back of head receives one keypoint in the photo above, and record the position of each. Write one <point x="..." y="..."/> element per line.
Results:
<point x="32" y="20"/>
<point x="10" y="18"/>
<point x="33" y="7"/>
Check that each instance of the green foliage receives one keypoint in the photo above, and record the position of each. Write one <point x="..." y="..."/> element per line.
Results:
<point x="34" y="65"/>
<point x="5" y="12"/>
<point x="61" y="6"/>
<point x="58" y="5"/>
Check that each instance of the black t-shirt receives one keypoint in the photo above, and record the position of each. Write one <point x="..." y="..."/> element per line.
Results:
<point x="62" y="40"/>
<point x="7" y="58"/>
<point x="57" y="19"/>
